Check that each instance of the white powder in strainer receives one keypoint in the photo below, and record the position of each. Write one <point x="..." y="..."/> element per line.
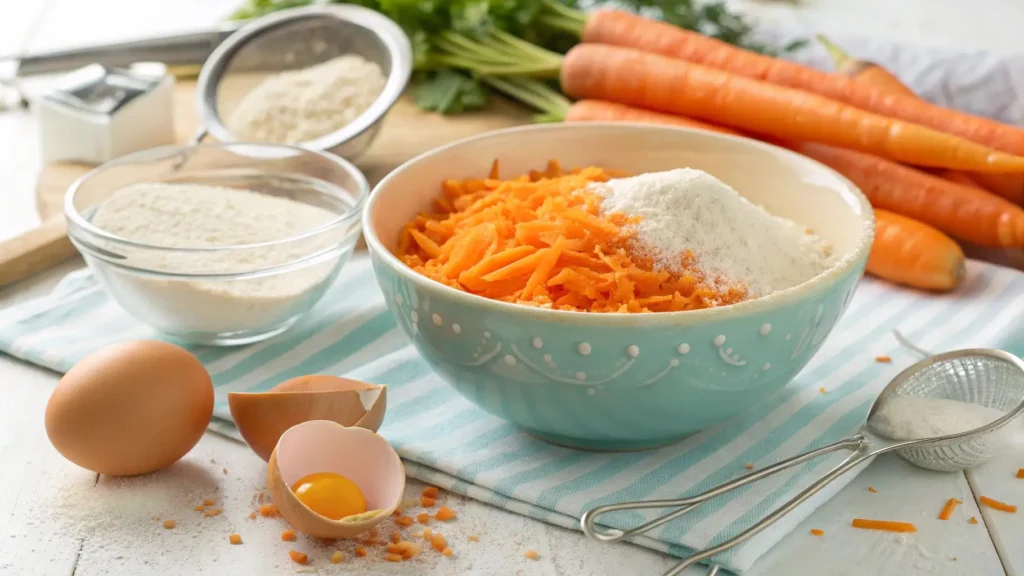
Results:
<point x="915" y="417"/>
<point x="199" y="216"/>
<point x="735" y="242"/>
<point x="302" y="105"/>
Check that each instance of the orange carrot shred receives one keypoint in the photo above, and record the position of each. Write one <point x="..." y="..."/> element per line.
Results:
<point x="268" y="510"/>
<point x="884" y="525"/>
<point x="427" y="502"/>
<point x="1020" y="473"/>
<point x="396" y="537"/>
<point x="404" y="521"/>
<point x="447" y="552"/>
<point x="288" y="535"/>
<point x="423" y="518"/>
<point x="817" y="532"/>
<point x="444" y="514"/>
<point x="391" y="557"/>
<point x="474" y="538"/>
<point x="541" y="240"/>
<point x="997" y="505"/>
<point x="883" y="359"/>
<point x="872" y="490"/>
<point x="168" y="524"/>
<point x="430" y="492"/>
<point x="208" y="502"/>
<point x="947" y="510"/>
<point x="437" y="542"/>
<point x="297" y="557"/>
<point x="426" y="533"/>
<point x="360" y="551"/>
<point x="198" y="508"/>
<point x="973" y="520"/>
<point x="235" y="538"/>
<point x="337" y="557"/>
<point x="531" y="554"/>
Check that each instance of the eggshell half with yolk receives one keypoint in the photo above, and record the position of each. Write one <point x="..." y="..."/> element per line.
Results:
<point x="356" y="453"/>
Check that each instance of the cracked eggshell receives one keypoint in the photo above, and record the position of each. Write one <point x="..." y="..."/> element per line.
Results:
<point x="356" y="453"/>
<point x="261" y="418"/>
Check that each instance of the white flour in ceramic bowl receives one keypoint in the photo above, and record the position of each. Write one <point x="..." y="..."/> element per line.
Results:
<point x="735" y="243"/>
<point x="194" y="216"/>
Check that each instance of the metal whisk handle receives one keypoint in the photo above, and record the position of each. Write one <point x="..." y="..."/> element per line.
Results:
<point x="588" y="522"/>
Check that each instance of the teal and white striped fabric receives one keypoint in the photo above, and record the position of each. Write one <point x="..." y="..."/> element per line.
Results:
<point x="445" y="440"/>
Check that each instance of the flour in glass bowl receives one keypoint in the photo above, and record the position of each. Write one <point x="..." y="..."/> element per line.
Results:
<point x="190" y="216"/>
<point x="735" y="243"/>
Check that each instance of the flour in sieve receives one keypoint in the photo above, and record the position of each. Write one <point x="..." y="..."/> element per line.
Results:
<point x="734" y="242"/>
<point x="302" y="105"/>
<point x="199" y="216"/>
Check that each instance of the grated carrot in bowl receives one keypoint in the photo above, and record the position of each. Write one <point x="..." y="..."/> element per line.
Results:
<point x="541" y="240"/>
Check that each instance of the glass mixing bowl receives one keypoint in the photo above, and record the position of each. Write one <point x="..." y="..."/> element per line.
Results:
<point x="232" y="294"/>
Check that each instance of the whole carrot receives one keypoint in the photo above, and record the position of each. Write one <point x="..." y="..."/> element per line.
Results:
<point x="962" y="178"/>
<point x="664" y="84"/>
<point x="628" y="30"/>
<point x="1009" y="186"/>
<point x="908" y="252"/>
<point x="966" y="213"/>
<point x="601" y="111"/>
<point x="864" y="71"/>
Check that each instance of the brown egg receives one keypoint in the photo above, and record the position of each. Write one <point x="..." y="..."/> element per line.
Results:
<point x="261" y="418"/>
<point x="130" y="408"/>
<point x="358" y="454"/>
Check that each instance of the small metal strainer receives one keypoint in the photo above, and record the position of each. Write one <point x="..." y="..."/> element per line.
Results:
<point x="991" y="378"/>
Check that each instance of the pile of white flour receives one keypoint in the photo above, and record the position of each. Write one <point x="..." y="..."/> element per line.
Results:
<point x="302" y="105"/>
<point x="200" y="216"/>
<point x="915" y="417"/>
<point x="735" y="242"/>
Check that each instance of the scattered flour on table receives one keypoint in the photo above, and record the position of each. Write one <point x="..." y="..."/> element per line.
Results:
<point x="200" y="216"/>
<point x="733" y="240"/>
<point x="302" y="105"/>
<point x="914" y="417"/>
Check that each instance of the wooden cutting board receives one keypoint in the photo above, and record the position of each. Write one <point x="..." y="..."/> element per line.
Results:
<point x="407" y="132"/>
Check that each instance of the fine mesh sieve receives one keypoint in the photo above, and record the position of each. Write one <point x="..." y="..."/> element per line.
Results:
<point x="298" y="38"/>
<point x="991" y="378"/>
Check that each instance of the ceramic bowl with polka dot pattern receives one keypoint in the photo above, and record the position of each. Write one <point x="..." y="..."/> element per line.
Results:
<point x="621" y="381"/>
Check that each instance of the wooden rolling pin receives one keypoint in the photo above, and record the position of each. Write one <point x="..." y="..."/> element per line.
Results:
<point x="34" y="251"/>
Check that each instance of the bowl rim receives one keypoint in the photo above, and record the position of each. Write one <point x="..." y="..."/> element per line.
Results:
<point x="395" y="41"/>
<point x="352" y="214"/>
<point x="840" y="269"/>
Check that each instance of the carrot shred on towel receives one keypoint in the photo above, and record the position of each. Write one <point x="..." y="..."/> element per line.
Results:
<point x="872" y="490"/>
<point x="884" y="525"/>
<point x="947" y="510"/>
<point x="297" y="557"/>
<point x="1020" y="473"/>
<point x="973" y="520"/>
<point x="817" y="532"/>
<point x="541" y="240"/>
<point x="997" y="505"/>
<point x="883" y="359"/>
<point x="431" y="491"/>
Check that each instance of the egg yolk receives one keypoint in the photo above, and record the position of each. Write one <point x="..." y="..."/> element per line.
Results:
<point x="330" y="495"/>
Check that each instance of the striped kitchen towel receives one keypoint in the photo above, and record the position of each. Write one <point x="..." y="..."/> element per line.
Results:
<point x="447" y="441"/>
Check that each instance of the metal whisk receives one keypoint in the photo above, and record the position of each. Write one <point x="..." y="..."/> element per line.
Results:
<point x="986" y="377"/>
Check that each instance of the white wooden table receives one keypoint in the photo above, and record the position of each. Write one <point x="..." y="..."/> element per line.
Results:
<point x="56" y="518"/>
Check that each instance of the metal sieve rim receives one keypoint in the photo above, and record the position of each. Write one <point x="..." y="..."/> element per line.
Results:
<point x="394" y="39"/>
<point x="910" y="371"/>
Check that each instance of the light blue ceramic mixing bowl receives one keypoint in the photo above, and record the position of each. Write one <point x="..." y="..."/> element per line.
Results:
<point x="621" y="381"/>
